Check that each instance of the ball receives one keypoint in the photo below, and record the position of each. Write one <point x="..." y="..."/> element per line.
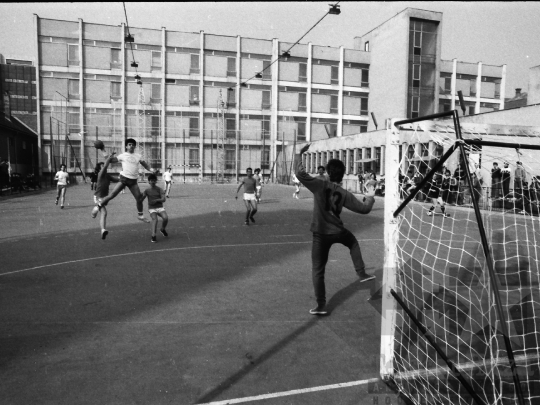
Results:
<point x="99" y="145"/>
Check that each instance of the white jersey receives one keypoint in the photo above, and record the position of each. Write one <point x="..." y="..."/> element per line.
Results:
<point x="295" y="179"/>
<point x="130" y="165"/>
<point x="62" y="178"/>
<point x="167" y="176"/>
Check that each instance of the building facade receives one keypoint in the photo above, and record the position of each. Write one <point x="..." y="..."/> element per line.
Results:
<point x="167" y="89"/>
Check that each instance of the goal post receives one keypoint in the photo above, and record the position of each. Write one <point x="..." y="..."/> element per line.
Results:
<point x="460" y="294"/>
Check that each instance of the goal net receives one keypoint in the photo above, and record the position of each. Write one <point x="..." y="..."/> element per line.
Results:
<point x="461" y="298"/>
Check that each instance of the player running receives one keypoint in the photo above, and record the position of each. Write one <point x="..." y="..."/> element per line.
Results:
<point x="329" y="199"/>
<point x="128" y="177"/>
<point x="168" y="179"/>
<point x="63" y="180"/>
<point x="435" y="194"/>
<point x="258" y="187"/>
<point x="103" y="182"/>
<point x="250" y="200"/>
<point x="156" y="198"/>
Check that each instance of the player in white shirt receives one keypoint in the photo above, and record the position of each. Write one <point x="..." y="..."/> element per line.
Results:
<point x="296" y="182"/>
<point x="63" y="180"/>
<point x="128" y="178"/>
<point x="168" y="179"/>
<point x="258" y="187"/>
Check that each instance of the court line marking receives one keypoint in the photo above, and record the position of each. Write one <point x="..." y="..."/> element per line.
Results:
<point x="292" y="392"/>
<point x="149" y="251"/>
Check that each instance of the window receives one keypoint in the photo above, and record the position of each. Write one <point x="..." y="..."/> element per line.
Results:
<point x="193" y="95"/>
<point x="115" y="59"/>
<point x="230" y="158"/>
<point x="231" y="128"/>
<point x="366" y="46"/>
<point x="231" y="97"/>
<point x="415" y="108"/>
<point x="156" y="91"/>
<point x="266" y="101"/>
<point x="416" y="76"/>
<point x="447" y="84"/>
<point x="471" y="110"/>
<point x="193" y="156"/>
<point x="367" y="165"/>
<point x="231" y="66"/>
<point x="116" y="90"/>
<point x="302" y="101"/>
<point x="156" y="60"/>
<point x="302" y="72"/>
<point x="417" y="43"/>
<point x="193" y="126"/>
<point x="472" y="91"/>
<point x="334" y="75"/>
<point x="155" y="129"/>
<point x="350" y="152"/>
<point x="73" y="122"/>
<point x="410" y="152"/>
<point x="267" y="72"/>
<point x="331" y="130"/>
<point x="265" y="128"/>
<point x="365" y="78"/>
<point x="265" y="162"/>
<point x="378" y="160"/>
<point x="73" y="89"/>
<point x="74" y="155"/>
<point x="333" y="104"/>
<point x="194" y="64"/>
<point x="364" y="106"/>
<point x="424" y="149"/>
<point x="73" y="54"/>
<point x="301" y="131"/>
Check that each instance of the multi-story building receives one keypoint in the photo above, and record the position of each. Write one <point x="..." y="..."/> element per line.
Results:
<point x="165" y="89"/>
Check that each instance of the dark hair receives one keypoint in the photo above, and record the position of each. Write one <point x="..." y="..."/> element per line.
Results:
<point x="131" y="140"/>
<point x="249" y="168"/>
<point x="321" y="167"/>
<point x="63" y="164"/>
<point x="152" y="177"/>
<point x="335" y="169"/>
<point x="257" y="170"/>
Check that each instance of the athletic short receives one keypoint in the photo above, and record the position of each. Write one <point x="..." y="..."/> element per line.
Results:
<point x="60" y="187"/>
<point x="167" y="182"/>
<point x="156" y="210"/>
<point x="127" y="182"/>
<point x="249" y="197"/>
<point x="258" y="187"/>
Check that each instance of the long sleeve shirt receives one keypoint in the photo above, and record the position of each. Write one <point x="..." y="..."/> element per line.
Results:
<point x="328" y="201"/>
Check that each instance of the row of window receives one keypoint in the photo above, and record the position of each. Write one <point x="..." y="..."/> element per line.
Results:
<point x="371" y="160"/>
<point x="115" y="61"/>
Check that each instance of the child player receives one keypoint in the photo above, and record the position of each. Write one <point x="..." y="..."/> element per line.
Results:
<point x="103" y="182"/>
<point x="328" y="202"/>
<point x="250" y="201"/>
<point x="258" y="187"/>
<point x="128" y="177"/>
<point x="436" y="196"/>
<point x="63" y="180"/>
<point x="168" y="179"/>
<point x="156" y="198"/>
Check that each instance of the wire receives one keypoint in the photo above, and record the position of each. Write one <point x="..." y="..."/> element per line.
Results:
<point x="131" y="43"/>
<point x="293" y="45"/>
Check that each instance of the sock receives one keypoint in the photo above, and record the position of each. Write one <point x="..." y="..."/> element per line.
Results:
<point x="442" y="209"/>
<point x="140" y="214"/>
<point x="253" y="212"/>
<point x="248" y="214"/>
<point x="432" y="209"/>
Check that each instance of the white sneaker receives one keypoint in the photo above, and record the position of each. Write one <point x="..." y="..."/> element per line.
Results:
<point x="142" y="218"/>
<point x="429" y="213"/>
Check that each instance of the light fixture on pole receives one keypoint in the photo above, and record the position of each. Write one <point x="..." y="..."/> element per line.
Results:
<point x="129" y="38"/>
<point x="134" y="64"/>
<point x="334" y="9"/>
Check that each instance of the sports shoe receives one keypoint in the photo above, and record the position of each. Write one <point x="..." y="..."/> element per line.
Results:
<point x="293" y="195"/>
<point x="104" y="233"/>
<point x="164" y="232"/>
<point x="154" y="240"/>
<point x="318" y="310"/>
<point x="167" y="196"/>
<point x="446" y="215"/>
<point x="56" y="202"/>
<point x="365" y="277"/>
<point x="252" y="219"/>
<point x="429" y="213"/>
<point x="142" y="218"/>
<point x="95" y="210"/>
<point x="62" y="206"/>
<point x="246" y="223"/>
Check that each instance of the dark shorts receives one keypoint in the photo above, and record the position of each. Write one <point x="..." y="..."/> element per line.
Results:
<point x="127" y="182"/>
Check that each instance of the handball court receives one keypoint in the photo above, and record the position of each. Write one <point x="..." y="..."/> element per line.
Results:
<point x="218" y="312"/>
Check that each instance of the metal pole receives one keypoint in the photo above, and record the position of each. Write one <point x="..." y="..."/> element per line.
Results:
<point x="184" y="148"/>
<point x="97" y="138"/>
<point x="262" y="155"/>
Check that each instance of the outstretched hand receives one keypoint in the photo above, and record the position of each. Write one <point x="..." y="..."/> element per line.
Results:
<point x="370" y="190"/>
<point x="304" y="148"/>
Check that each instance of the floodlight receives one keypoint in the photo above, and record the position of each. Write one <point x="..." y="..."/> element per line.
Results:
<point x="286" y="54"/>
<point x="129" y="38"/>
<point x="334" y="9"/>
<point x="258" y="75"/>
<point x="134" y="64"/>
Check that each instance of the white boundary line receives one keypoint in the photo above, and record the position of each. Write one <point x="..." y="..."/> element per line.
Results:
<point x="293" y="392"/>
<point x="149" y="251"/>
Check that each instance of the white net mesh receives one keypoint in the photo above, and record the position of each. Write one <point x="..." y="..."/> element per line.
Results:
<point x="442" y="275"/>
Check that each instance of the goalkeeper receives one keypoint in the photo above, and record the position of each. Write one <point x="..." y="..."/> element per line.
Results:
<point x="329" y="199"/>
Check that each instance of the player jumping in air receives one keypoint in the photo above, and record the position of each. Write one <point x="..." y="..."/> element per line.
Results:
<point x="250" y="200"/>
<point x="103" y="182"/>
<point x="156" y="198"/>
<point x="128" y="177"/>
<point x="258" y="187"/>
<point x="328" y="202"/>
<point x="168" y="179"/>
<point x="436" y="196"/>
<point x="63" y="180"/>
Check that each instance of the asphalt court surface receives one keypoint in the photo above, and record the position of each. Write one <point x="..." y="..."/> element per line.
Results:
<point x="215" y="313"/>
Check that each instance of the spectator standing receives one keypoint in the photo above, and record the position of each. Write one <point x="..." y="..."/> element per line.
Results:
<point x="505" y="180"/>
<point x="496" y="176"/>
